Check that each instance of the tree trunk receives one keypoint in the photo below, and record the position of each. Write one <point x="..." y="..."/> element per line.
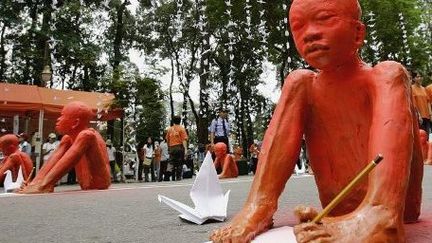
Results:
<point x="2" y="53"/>
<point x="171" y="90"/>
<point x="119" y="35"/>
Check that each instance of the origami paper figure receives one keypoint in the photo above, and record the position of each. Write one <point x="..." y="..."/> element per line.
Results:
<point x="206" y="194"/>
<point x="9" y="185"/>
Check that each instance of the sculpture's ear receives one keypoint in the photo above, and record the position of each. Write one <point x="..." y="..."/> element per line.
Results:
<point x="76" y="123"/>
<point x="360" y="33"/>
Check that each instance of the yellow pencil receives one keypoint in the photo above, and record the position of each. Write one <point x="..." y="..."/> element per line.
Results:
<point x="348" y="188"/>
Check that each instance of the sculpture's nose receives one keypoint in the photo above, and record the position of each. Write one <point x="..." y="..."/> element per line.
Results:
<point x="311" y="37"/>
<point x="311" y="34"/>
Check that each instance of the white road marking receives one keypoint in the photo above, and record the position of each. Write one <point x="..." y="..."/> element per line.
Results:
<point x="165" y="185"/>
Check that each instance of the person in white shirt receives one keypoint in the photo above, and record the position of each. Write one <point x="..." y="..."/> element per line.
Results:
<point x="24" y="145"/>
<point x="148" y="159"/>
<point x="220" y="129"/>
<point x="164" y="161"/>
<point x="49" y="147"/>
<point x="111" y="157"/>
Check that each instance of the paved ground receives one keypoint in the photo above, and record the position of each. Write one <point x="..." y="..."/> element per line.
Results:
<point x="131" y="213"/>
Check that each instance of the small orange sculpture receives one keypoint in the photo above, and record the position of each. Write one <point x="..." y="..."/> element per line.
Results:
<point x="13" y="158"/>
<point x="224" y="161"/>
<point x="238" y="152"/>
<point x="346" y="110"/>
<point x="81" y="147"/>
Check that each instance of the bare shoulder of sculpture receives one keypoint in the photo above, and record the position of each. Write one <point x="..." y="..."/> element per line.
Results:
<point x="298" y="78"/>
<point x="391" y="73"/>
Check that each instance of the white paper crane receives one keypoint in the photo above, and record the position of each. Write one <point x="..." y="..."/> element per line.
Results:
<point x="9" y="185"/>
<point x="206" y="194"/>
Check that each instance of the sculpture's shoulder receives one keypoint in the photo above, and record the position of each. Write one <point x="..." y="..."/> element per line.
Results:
<point x="300" y="75"/>
<point x="298" y="78"/>
<point x="390" y="73"/>
<point x="15" y="156"/>
<point x="18" y="156"/>
<point x="89" y="133"/>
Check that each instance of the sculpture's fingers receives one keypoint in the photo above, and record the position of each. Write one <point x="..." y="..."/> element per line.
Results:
<point x="218" y="234"/>
<point x="304" y="213"/>
<point x="327" y="239"/>
<point x="306" y="227"/>
<point x="317" y="235"/>
<point x="214" y="236"/>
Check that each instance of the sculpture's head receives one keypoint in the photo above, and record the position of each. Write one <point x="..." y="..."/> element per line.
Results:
<point x="327" y="33"/>
<point x="220" y="149"/>
<point x="9" y="144"/>
<point x="75" y="117"/>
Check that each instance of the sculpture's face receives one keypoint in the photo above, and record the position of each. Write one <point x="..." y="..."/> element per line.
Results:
<point x="66" y="121"/>
<point x="324" y="33"/>
<point x="9" y="144"/>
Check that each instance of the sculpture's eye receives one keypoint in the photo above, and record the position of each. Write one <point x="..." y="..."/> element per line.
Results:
<point x="325" y="16"/>
<point x="296" y="25"/>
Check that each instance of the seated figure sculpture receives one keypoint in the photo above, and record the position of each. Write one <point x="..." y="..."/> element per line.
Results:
<point x="13" y="158"/>
<point x="346" y="110"/>
<point x="81" y="147"/>
<point x="224" y="161"/>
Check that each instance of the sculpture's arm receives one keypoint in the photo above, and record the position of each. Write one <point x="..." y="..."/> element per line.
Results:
<point x="64" y="145"/>
<point x="216" y="163"/>
<point x="281" y="144"/>
<point x="26" y="164"/>
<point x="229" y="168"/>
<point x="391" y="135"/>
<point x="7" y="164"/>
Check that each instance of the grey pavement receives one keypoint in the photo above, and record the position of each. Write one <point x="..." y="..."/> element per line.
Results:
<point x="131" y="212"/>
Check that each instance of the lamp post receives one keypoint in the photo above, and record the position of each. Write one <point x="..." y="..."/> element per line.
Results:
<point x="46" y="74"/>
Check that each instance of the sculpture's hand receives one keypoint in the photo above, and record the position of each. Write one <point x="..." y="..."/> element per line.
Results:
<point x="250" y="222"/>
<point x="305" y="214"/>
<point x="367" y="224"/>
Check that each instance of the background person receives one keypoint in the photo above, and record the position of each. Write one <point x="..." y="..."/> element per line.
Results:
<point x="220" y="129"/>
<point x="49" y="147"/>
<point x="24" y="145"/>
<point x="177" y="145"/>
<point x="112" y="159"/>
<point x="148" y="160"/>
<point x="421" y="102"/>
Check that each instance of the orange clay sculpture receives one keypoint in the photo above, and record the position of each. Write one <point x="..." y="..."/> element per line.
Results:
<point x="13" y="158"/>
<point x="238" y="152"/>
<point x="81" y="148"/>
<point x="347" y="112"/>
<point x="225" y="161"/>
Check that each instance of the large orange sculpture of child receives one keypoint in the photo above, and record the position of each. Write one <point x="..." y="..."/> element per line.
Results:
<point x="81" y="147"/>
<point x="224" y="161"/>
<point x="13" y="158"/>
<point x="349" y="112"/>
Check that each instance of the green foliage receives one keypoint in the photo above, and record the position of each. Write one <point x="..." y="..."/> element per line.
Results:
<point x="152" y="120"/>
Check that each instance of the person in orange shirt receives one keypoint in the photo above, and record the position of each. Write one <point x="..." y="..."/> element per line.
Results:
<point x="177" y="144"/>
<point x="421" y="101"/>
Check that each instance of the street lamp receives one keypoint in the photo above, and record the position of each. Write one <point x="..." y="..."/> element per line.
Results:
<point x="46" y="74"/>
